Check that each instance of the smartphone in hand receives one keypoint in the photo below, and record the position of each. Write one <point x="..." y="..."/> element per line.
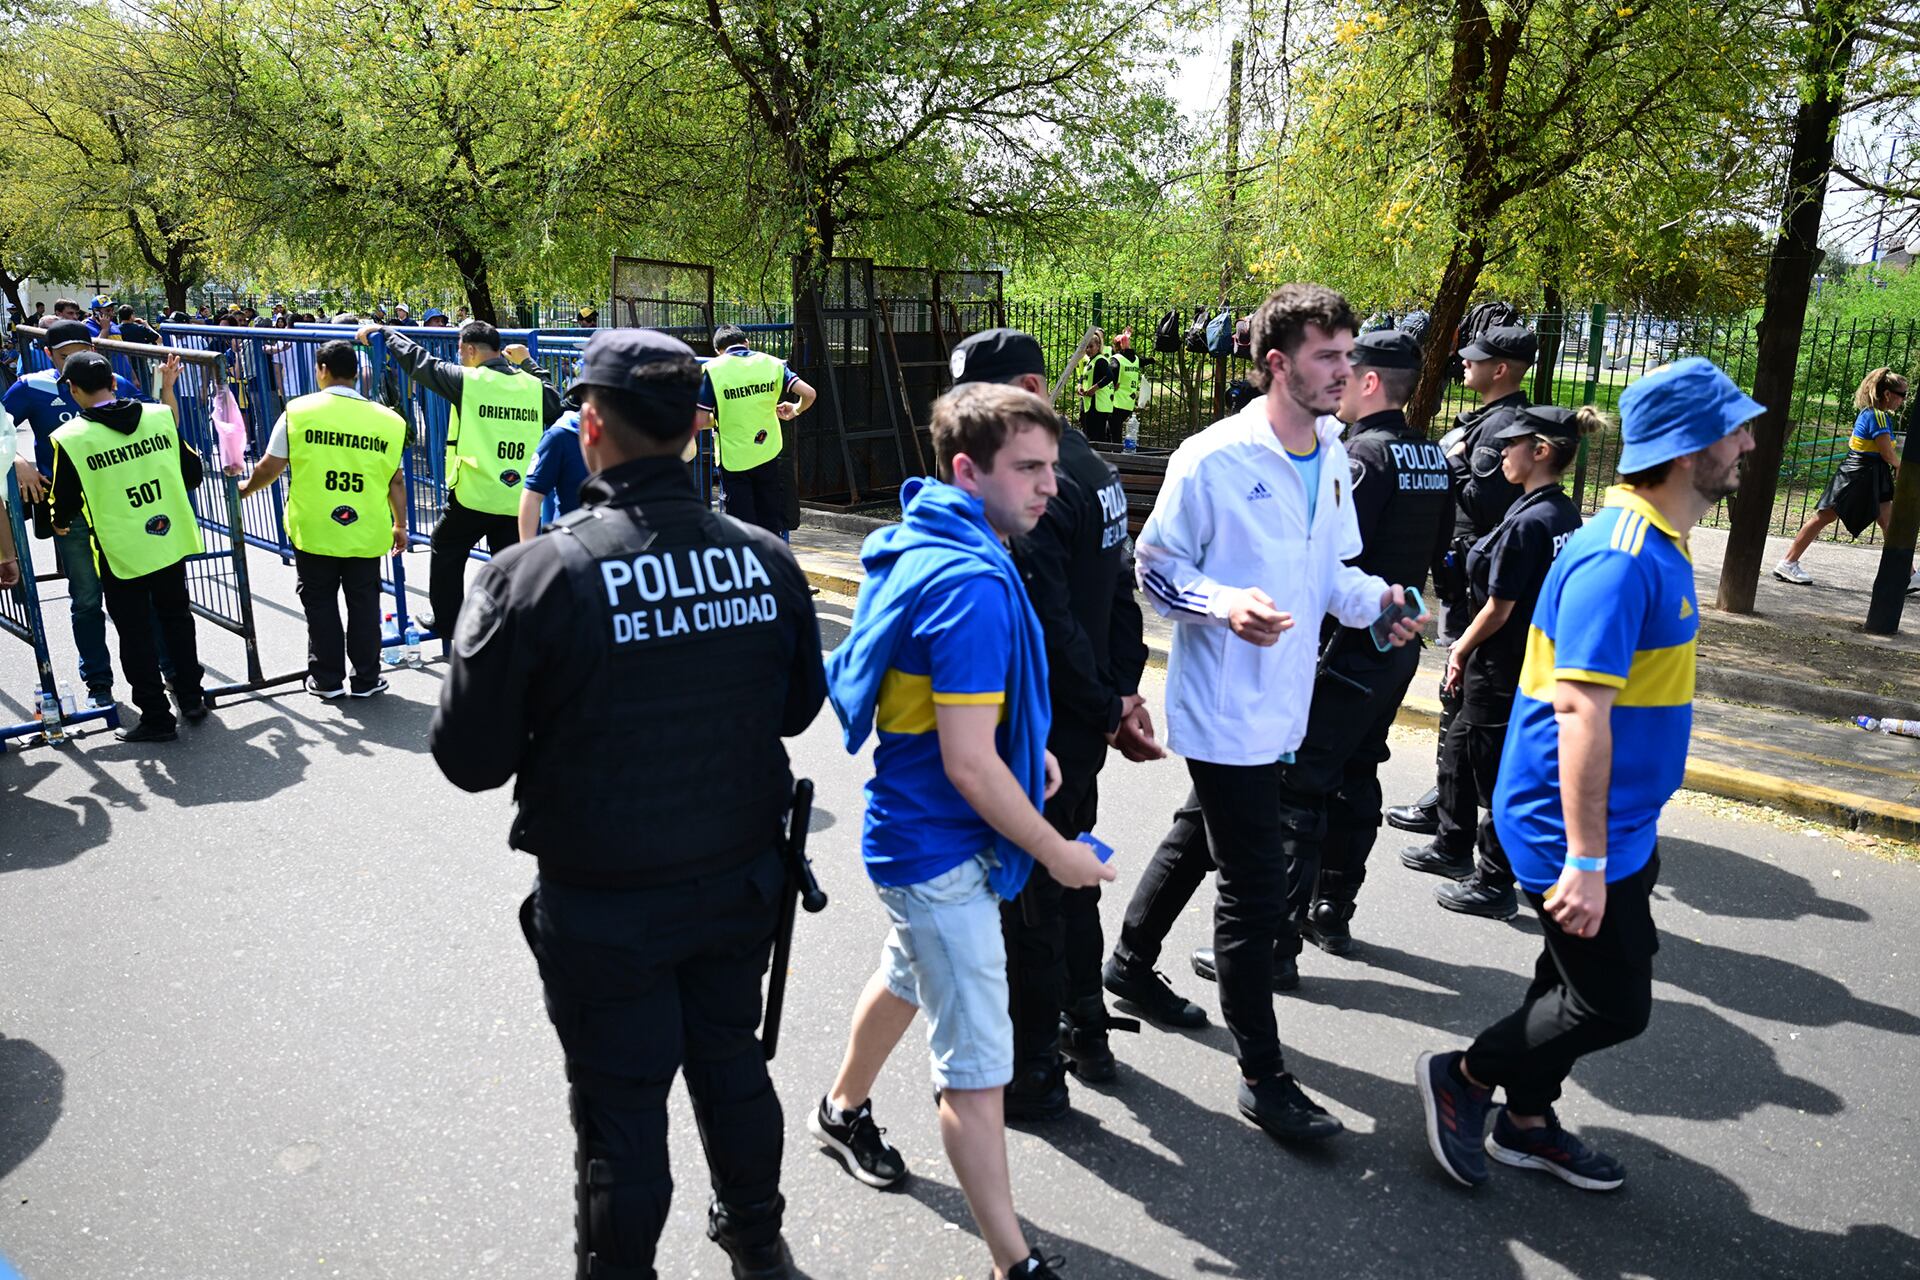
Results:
<point x="1381" y="628"/>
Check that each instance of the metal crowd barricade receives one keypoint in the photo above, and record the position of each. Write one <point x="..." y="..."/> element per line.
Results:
<point x="219" y="588"/>
<point x="21" y="615"/>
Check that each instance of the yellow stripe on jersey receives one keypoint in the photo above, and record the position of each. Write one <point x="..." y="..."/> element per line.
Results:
<point x="1656" y="677"/>
<point x="907" y="701"/>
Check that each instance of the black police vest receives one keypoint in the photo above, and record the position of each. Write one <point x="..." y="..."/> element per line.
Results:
<point x="677" y="767"/>
<point x="1481" y="492"/>
<point x="1409" y="528"/>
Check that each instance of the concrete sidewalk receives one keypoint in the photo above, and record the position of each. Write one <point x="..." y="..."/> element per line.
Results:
<point x="1814" y="764"/>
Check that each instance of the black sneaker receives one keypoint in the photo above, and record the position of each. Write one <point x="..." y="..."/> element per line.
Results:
<point x="195" y="712"/>
<point x="1038" y="1093"/>
<point x="1553" y="1150"/>
<point x="1278" y="1105"/>
<point x="1456" y="1117"/>
<point x="148" y="730"/>
<point x="1286" y="969"/>
<point x="857" y="1140"/>
<point x="1326" y="927"/>
<point x="1422" y="817"/>
<point x="1034" y="1267"/>
<point x="379" y="686"/>
<point x="1148" y="991"/>
<point x="1435" y="861"/>
<point x="1475" y="897"/>
<point x="321" y="691"/>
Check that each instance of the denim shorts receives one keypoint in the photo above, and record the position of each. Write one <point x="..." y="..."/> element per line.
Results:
<point x="946" y="954"/>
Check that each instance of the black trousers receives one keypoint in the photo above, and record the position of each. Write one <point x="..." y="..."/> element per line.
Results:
<point x="1231" y="824"/>
<point x="138" y="606"/>
<point x="460" y="530"/>
<point x="1101" y="427"/>
<point x="1459" y="813"/>
<point x="1587" y="994"/>
<point x="1054" y="944"/>
<point x="1330" y="794"/>
<point x="758" y="495"/>
<point x="641" y="984"/>
<point x="321" y="581"/>
<point x="1478" y="750"/>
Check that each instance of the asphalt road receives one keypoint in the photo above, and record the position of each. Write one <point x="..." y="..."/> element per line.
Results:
<point x="267" y="1013"/>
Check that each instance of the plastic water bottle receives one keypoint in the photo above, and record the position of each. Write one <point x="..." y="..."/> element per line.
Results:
<point x="52" y="729"/>
<point x="390" y="641"/>
<point x="69" y="702"/>
<point x="413" y="645"/>
<point x="1131" y="441"/>
<point x="1905" y="728"/>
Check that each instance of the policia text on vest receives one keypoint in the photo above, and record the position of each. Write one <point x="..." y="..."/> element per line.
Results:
<point x="500" y="408"/>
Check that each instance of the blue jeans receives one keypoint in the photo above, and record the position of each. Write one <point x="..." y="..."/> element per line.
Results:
<point x="74" y="549"/>
<point x="946" y="955"/>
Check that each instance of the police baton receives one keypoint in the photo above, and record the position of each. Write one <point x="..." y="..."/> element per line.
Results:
<point x="1326" y="667"/>
<point x="801" y="888"/>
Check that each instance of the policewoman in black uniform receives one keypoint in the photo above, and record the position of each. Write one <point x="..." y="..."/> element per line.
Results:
<point x="636" y="669"/>
<point x="1505" y="571"/>
<point x="1077" y="566"/>
<point x="1331" y="792"/>
<point x="1496" y="363"/>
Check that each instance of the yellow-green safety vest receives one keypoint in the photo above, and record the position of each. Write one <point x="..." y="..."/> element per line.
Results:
<point x="494" y="434"/>
<point x="1102" y="397"/>
<point x="1126" y="391"/>
<point x="342" y="453"/>
<point x="746" y="389"/>
<point x="141" y="513"/>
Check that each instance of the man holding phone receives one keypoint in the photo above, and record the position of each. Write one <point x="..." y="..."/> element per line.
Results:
<point x="1254" y="528"/>
<point x="1596" y="743"/>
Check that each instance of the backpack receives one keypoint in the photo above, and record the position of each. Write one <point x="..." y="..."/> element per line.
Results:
<point x="1240" y="394"/>
<point x="1220" y="334"/>
<point x="1481" y="317"/>
<point x="1166" y="334"/>
<point x="1243" y="340"/>
<point x="1197" y="332"/>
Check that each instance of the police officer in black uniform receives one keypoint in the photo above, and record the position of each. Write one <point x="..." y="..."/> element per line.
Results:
<point x="1495" y="365"/>
<point x="637" y="668"/>
<point x="1078" y="569"/>
<point x="1505" y="571"/>
<point x="1330" y="794"/>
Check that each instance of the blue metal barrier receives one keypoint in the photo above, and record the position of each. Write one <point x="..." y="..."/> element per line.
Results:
<point x="21" y="615"/>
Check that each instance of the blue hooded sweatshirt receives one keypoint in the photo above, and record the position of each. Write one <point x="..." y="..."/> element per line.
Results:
<point x="944" y="537"/>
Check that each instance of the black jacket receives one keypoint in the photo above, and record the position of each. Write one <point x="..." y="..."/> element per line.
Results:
<point x="1402" y="497"/>
<point x="447" y="377"/>
<point x="636" y="668"/>
<point x="1078" y="571"/>
<point x="1481" y="494"/>
<point x="65" y="499"/>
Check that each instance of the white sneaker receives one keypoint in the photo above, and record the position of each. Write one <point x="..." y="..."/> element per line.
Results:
<point x="1790" y="571"/>
<point x="1913" y="584"/>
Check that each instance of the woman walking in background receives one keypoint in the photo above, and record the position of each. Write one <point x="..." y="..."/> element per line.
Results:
<point x="1861" y="491"/>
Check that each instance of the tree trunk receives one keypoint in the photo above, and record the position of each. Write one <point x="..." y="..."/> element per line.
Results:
<point x="10" y="286"/>
<point x="1790" y="270"/>
<point x="474" y="279"/>
<point x="1553" y="328"/>
<point x="1469" y="256"/>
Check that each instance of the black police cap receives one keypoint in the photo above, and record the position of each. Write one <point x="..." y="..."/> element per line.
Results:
<point x="1549" y="422"/>
<point x="61" y="332"/>
<point x="997" y="355"/>
<point x="1513" y="342"/>
<point x="614" y="358"/>
<point x="1386" y="349"/>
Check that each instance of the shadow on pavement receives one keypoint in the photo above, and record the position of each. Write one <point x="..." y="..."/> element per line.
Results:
<point x="1080" y="1259"/>
<point x="43" y="832"/>
<point x="1723" y="882"/>
<point x="32" y="1087"/>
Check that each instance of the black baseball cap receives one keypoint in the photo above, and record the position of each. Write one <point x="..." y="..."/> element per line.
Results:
<point x="613" y="358"/>
<point x="62" y="332"/>
<point x="1549" y="422"/>
<point x="1386" y="349"/>
<point x="1504" y="342"/>
<point x="87" y="371"/>
<point x="996" y="355"/>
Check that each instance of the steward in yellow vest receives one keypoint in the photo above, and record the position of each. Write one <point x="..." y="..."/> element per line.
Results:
<point x="122" y="465"/>
<point x="346" y="509"/>
<point x="500" y="409"/>
<point x="743" y="397"/>
<point x="1094" y="383"/>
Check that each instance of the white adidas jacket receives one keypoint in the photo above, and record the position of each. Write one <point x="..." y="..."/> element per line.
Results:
<point x="1233" y="514"/>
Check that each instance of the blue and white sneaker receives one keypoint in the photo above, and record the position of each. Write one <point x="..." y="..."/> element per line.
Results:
<point x="1553" y="1150"/>
<point x="1456" y="1117"/>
